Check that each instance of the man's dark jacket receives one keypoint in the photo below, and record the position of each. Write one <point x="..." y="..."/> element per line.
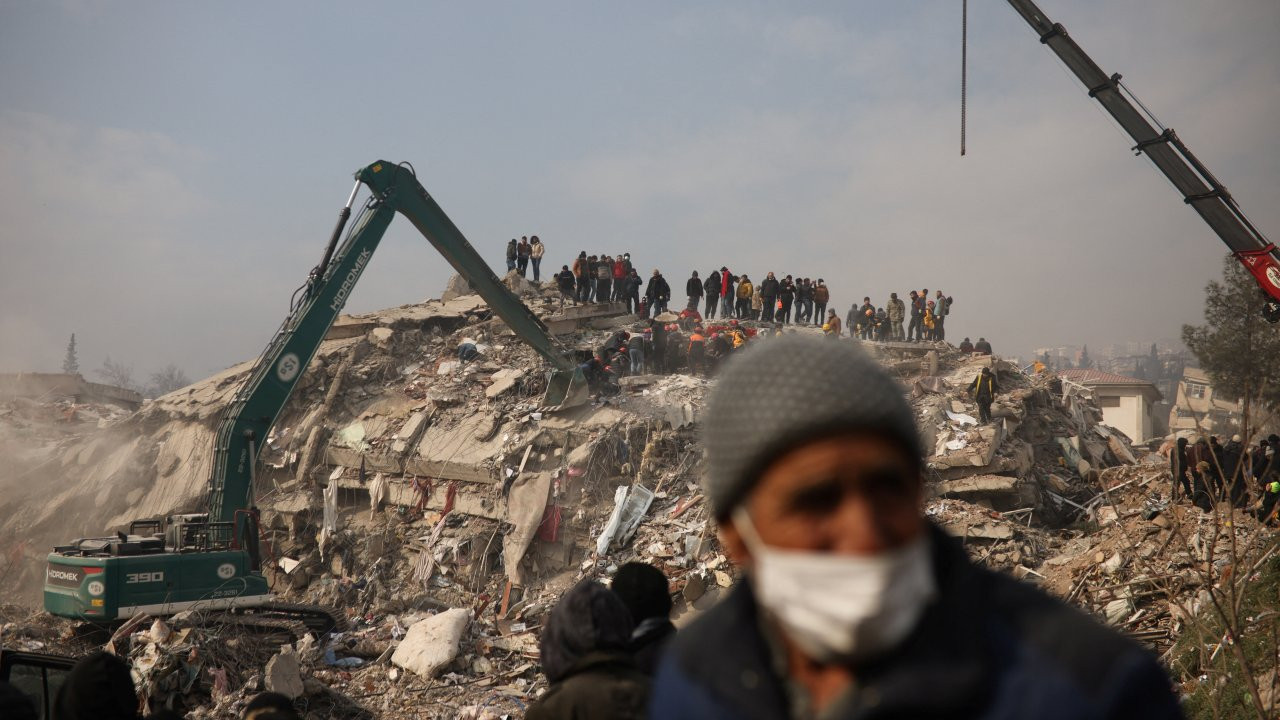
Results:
<point x="605" y="685"/>
<point x="693" y="287"/>
<point x="988" y="648"/>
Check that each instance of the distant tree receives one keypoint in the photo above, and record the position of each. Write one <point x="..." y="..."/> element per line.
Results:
<point x="1085" y="363"/>
<point x="117" y="373"/>
<point x="71" y="363"/>
<point x="168" y="379"/>
<point x="1236" y="347"/>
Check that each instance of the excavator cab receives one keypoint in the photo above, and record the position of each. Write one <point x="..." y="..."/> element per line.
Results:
<point x="566" y="389"/>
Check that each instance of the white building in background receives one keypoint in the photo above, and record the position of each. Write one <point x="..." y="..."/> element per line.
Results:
<point x="1198" y="408"/>
<point x="1126" y="402"/>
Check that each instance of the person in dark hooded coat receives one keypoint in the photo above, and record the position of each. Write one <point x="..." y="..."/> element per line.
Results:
<point x="585" y="655"/>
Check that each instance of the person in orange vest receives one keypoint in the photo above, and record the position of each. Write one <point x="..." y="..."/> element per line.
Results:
<point x="697" y="352"/>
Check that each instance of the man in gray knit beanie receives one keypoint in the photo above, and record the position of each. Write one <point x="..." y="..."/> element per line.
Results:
<point x="854" y="604"/>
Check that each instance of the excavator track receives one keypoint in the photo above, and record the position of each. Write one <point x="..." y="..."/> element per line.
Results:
<point x="273" y="629"/>
<point x="319" y="619"/>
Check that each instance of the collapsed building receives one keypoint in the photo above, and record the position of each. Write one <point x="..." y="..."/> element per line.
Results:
<point x="438" y="507"/>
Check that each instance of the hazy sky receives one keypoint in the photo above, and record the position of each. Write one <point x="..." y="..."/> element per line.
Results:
<point x="170" y="171"/>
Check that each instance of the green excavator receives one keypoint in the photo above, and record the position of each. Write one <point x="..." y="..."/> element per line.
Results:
<point x="211" y="561"/>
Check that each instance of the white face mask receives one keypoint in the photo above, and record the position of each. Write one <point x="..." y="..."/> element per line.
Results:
<point x="839" y="607"/>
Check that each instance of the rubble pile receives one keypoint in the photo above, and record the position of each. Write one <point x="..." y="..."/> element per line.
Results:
<point x="443" y="511"/>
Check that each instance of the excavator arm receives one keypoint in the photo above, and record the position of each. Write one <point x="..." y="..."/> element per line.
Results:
<point x="1199" y="188"/>
<point x="248" y="418"/>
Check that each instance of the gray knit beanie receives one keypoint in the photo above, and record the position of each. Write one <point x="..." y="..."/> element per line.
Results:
<point x="780" y="392"/>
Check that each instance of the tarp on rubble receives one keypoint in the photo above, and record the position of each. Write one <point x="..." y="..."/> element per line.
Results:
<point x="526" y="504"/>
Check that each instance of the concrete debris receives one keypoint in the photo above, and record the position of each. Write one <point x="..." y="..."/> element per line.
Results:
<point x="283" y="675"/>
<point x="432" y="643"/>
<point x="445" y="511"/>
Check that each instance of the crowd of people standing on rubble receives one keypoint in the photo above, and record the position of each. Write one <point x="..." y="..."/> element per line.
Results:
<point x="1207" y="471"/>
<point x="712" y="323"/>
<point x="786" y="301"/>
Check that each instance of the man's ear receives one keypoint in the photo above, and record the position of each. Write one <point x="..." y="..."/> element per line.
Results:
<point x="732" y="543"/>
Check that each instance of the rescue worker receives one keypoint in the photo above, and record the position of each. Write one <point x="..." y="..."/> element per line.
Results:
<point x="881" y="325"/>
<point x="718" y="347"/>
<point x="659" y="360"/>
<point x="757" y="304"/>
<point x="984" y="389"/>
<point x="982" y="347"/>
<point x="677" y="352"/>
<point x="635" y="349"/>
<point x="966" y="346"/>
<point x="697" y="352"/>
<point x="930" y="322"/>
<point x="854" y="605"/>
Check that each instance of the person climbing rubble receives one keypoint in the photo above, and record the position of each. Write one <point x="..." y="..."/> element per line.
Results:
<point x="646" y="592"/>
<point x="854" y="604"/>
<point x="584" y="650"/>
<point x="984" y="388"/>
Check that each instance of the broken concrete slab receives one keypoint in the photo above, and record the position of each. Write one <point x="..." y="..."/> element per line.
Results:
<point x="980" y="531"/>
<point x="1000" y="492"/>
<point x="283" y="674"/>
<point x="432" y="644"/>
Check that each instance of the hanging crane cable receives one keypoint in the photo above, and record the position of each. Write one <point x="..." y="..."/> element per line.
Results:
<point x="964" y="67"/>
